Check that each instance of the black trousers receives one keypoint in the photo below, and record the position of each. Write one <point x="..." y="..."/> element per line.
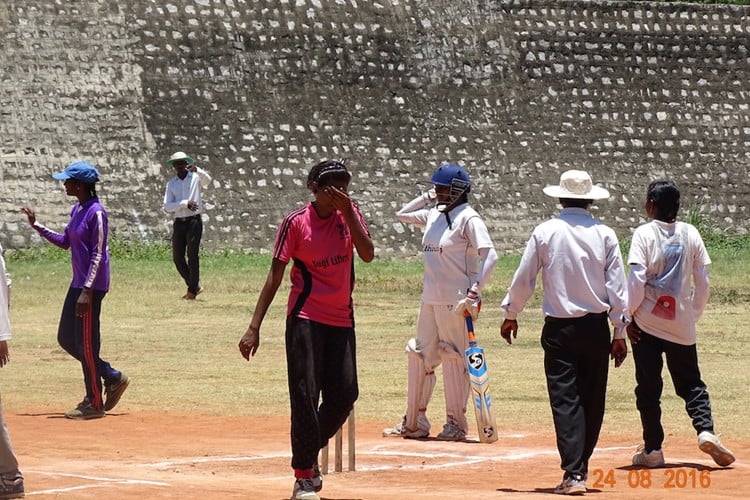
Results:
<point x="682" y="363"/>
<point x="576" y="364"/>
<point x="321" y="364"/>
<point x="186" y="240"/>
<point x="81" y="338"/>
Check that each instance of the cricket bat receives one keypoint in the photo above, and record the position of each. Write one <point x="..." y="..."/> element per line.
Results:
<point x="480" y="387"/>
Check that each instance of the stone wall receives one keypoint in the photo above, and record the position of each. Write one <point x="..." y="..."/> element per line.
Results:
<point x="259" y="90"/>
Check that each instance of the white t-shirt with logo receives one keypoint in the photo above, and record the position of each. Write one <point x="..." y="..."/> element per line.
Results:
<point x="670" y="253"/>
<point x="451" y="251"/>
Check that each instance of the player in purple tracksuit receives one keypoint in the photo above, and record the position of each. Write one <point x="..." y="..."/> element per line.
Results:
<point x="78" y="332"/>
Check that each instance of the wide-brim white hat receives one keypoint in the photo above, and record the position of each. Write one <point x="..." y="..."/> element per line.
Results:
<point x="179" y="155"/>
<point x="576" y="184"/>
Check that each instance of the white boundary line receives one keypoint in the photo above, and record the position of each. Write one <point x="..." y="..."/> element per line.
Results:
<point x="101" y="482"/>
<point x="384" y="451"/>
<point x="453" y="460"/>
<point x="205" y="460"/>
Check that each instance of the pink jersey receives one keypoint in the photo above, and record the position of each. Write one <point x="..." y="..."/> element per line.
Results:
<point x="323" y="272"/>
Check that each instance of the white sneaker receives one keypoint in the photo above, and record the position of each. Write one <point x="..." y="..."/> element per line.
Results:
<point x="400" y="429"/>
<point x="709" y="443"/>
<point x="304" y="490"/>
<point x="651" y="459"/>
<point x="452" y="432"/>
<point x="572" y="485"/>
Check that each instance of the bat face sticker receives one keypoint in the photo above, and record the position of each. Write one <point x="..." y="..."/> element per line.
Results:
<point x="480" y="387"/>
<point x="476" y="361"/>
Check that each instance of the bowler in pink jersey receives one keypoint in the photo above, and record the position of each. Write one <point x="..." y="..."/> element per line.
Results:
<point x="319" y="239"/>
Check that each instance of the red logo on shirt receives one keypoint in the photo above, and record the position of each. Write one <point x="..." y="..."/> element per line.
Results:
<point x="664" y="307"/>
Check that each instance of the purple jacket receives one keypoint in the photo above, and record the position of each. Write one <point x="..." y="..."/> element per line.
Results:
<point x="86" y="236"/>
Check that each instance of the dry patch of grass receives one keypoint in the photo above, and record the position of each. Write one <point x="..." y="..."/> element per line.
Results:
<point x="183" y="355"/>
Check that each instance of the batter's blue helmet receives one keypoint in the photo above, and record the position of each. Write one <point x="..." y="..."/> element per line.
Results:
<point x="452" y="176"/>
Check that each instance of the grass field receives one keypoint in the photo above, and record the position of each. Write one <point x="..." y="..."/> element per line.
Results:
<point x="183" y="356"/>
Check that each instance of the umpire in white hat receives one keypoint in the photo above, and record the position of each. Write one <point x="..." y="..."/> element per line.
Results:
<point x="584" y="283"/>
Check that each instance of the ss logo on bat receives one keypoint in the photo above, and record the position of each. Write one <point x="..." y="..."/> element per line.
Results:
<point x="476" y="361"/>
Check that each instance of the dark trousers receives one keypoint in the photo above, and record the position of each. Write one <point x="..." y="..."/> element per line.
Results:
<point x="81" y="338"/>
<point x="576" y="363"/>
<point x="321" y="364"/>
<point x="186" y="240"/>
<point x="682" y="363"/>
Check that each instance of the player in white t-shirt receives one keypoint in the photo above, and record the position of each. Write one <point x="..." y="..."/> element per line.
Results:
<point x="459" y="258"/>
<point x="666" y="259"/>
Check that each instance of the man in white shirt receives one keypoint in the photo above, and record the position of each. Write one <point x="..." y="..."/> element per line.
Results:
<point x="182" y="198"/>
<point x="584" y="282"/>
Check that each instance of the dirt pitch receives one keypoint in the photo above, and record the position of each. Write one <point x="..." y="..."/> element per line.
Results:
<point x="137" y="455"/>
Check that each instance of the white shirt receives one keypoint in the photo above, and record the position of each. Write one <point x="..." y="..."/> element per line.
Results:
<point x="582" y="270"/>
<point x="5" y="333"/>
<point x="451" y="252"/>
<point x="663" y="258"/>
<point x="180" y="191"/>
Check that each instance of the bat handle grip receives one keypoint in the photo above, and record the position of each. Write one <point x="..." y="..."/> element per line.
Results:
<point x="470" y="329"/>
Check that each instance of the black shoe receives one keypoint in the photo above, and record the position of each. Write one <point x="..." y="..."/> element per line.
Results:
<point x="11" y="487"/>
<point x="84" y="412"/>
<point x="113" y="392"/>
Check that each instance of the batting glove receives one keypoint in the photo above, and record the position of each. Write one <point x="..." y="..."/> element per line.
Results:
<point x="472" y="304"/>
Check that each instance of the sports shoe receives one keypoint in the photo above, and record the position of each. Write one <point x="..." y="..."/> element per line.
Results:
<point x="651" y="459"/>
<point x="191" y="295"/>
<point x="400" y="429"/>
<point x="571" y="485"/>
<point x="451" y="432"/>
<point x="113" y="392"/>
<point x="709" y="443"/>
<point x="84" y="411"/>
<point x="304" y="490"/>
<point x="11" y="487"/>
<point x="317" y="478"/>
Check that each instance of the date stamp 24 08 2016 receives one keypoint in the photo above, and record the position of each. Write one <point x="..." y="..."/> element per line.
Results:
<point x="677" y="478"/>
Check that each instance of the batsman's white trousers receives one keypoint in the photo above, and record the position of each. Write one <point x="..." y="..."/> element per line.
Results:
<point x="439" y="323"/>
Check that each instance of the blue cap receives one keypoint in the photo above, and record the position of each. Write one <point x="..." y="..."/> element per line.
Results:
<point x="451" y="175"/>
<point x="80" y="171"/>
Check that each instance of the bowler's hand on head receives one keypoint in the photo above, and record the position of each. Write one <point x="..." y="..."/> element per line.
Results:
<point x="339" y="199"/>
<point x="509" y="329"/>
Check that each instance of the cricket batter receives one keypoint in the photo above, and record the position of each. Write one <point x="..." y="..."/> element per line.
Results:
<point x="459" y="258"/>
